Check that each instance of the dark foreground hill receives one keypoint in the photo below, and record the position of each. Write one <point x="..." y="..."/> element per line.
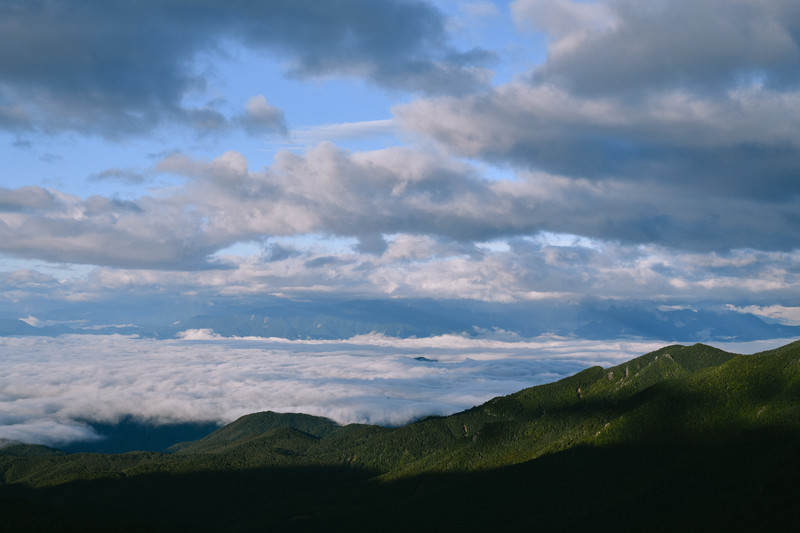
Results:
<point x="684" y="438"/>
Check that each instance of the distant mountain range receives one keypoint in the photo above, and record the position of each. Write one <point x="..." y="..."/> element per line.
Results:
<point x="683" y="438"/>
<point x="340" y="319"/>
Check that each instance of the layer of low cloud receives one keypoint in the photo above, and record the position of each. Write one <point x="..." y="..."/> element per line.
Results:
<point x="51" y="387"/>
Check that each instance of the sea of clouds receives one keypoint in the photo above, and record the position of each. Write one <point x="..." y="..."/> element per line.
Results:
<point x="52" y="387"/>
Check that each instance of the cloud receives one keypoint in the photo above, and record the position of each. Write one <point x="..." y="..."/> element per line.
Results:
<point x="678" y="138"/>
<point x="400" y="190"/>
<point x="26" y="199"/>
<point x="549" y="268"/>
<point x="113" y="69"/>
<point x="675" y="167"/>
<point x="342" y="131"/>
<point x="564" y="20"/>
<point x="414" y="225"/>
<point x="702" y="167"/>
<point x="331" y="191"/>
<point x="14" y="118"/>
<point x="479" y="10"/>
<point x="260" y="117"/>
<point x="673" y="123"/>
<point x="706" y="45"/>
<point x="32" y="321"/>
<point x="47" y="432"/>
<point x="127" y="176"/>
<point x="789" y="316"/>
<point x="45" y="224"/>
<point x="49" y="387"/>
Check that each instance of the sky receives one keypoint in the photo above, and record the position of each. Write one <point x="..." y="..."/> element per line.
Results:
<point x="497" y="151"/>
<point x="507" y="152"/>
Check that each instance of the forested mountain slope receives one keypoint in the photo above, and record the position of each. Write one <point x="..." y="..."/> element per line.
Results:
<point x="681" y="437"/>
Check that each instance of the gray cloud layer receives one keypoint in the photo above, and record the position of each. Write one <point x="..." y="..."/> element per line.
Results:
<point x="678" y="121"/>
<point x="371" y="194"/>
<point x="621" y="47"/>
<point x="555" y="268"/>
<point x="116" y="68"/>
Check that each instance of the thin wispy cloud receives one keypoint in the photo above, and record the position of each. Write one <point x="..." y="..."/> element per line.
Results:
<point x="306" y="137"/>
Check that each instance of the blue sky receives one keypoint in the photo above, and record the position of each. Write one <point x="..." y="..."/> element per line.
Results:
<point x="494" y="151"/>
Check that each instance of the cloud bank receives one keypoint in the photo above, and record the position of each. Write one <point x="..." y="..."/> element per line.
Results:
<point x="50" y="387"/>
<point x="366" y="196"/>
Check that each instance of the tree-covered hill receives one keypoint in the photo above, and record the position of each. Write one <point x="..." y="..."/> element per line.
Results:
<point x="681" y="438"/>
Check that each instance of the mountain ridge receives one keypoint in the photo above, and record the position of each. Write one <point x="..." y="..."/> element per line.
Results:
<point x="343" y="318"/>
<point x="731" y="420"/>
